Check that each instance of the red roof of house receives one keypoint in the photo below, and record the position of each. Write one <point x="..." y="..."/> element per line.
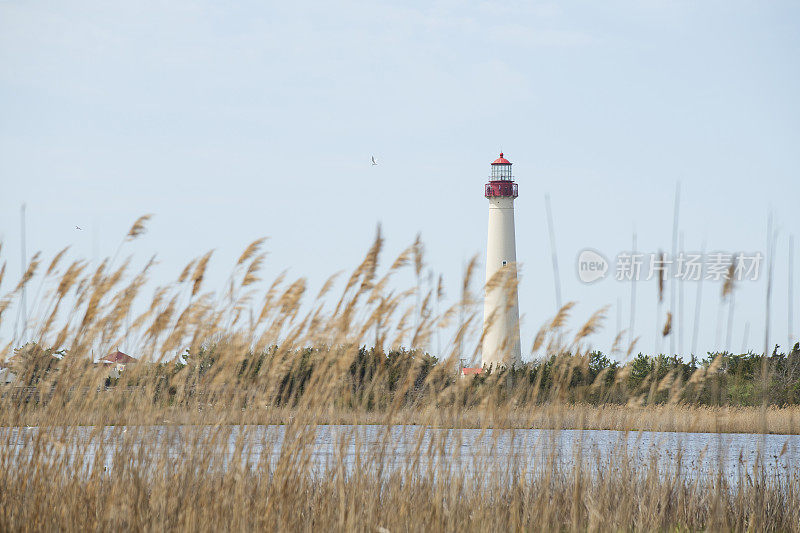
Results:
<point x="501" y="160"/>
<point x="118" y="357"/>
<point x="471" y="371"/>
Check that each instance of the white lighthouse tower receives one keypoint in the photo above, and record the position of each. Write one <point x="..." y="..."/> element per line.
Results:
<point x="501" y="345"/>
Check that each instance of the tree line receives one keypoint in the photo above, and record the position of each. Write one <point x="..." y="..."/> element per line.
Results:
<point x="374" y="379"/>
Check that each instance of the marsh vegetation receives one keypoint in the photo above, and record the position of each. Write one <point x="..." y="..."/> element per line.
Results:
<point x="215" y="363"/>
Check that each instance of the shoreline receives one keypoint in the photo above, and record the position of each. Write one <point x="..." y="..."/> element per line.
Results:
<point x="658" y="419"/>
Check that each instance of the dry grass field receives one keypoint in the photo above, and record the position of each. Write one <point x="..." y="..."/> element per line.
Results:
<point x="147" y="489"/>
<point x="298" y="363"/>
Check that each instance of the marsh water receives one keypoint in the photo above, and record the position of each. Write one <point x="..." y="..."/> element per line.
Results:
<point x="472" y="451"/>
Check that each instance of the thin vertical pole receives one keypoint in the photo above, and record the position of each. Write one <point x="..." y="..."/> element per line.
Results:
<point x="679" y="321"/>
<point x="461" y="310"/>
<point x="556" y="277"/>
<point x="698" y="301"/>
<point x="731" y="305"/>
<point x="675" y="217"/>
<point x="746" y="337"/>
<point x="790" y="309"/>
<point x="438" y="318"/>
<point x="718" y="334"/>
<point x="95" y="242"/>
<point x="24" y="257"/>
<point x="659" y="303"/>
<point x="769" y="286"/>
<point x="634" y="278"/>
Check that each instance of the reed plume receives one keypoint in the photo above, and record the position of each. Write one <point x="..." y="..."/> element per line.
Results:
<point x="217" y="425"/>
<point x="139" y="227"/>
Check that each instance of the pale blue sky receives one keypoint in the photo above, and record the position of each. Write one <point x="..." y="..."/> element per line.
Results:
<point x="232" y="122"/>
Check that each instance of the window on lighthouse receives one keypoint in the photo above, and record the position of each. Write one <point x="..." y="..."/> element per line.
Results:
<point x="501" y="172"/>
<point x="504" y="263"/>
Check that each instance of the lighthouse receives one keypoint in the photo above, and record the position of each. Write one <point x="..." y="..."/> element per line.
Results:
<point x="501" y="346"/>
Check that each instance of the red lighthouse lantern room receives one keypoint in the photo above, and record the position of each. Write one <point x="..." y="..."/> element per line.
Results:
<point x="501" y="182"/>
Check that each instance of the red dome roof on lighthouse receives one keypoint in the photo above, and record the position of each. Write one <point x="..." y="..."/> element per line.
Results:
<point x="501" y="160"/>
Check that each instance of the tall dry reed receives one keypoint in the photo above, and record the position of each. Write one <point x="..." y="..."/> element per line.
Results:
<point x="217" y="427"/>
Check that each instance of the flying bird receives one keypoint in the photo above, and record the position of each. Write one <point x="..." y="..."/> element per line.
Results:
<point x="373" y="161"/>
<point x="78" y="228"/>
